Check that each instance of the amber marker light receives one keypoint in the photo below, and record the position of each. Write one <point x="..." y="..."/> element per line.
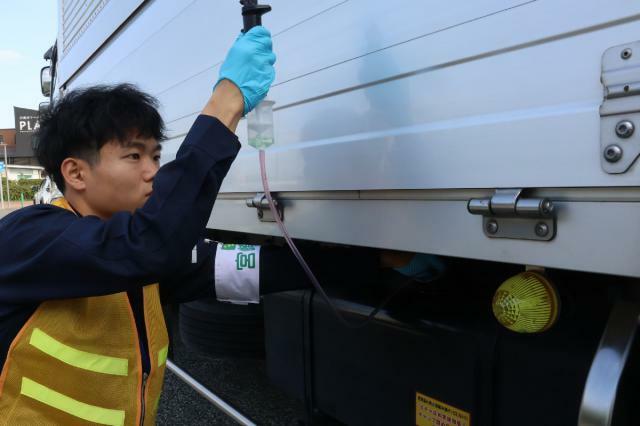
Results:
<point x="526" y="303"/>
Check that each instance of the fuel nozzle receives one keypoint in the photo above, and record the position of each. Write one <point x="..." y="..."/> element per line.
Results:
<point x="252" y="13"/>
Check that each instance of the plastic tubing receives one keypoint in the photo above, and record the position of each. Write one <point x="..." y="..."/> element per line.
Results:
<point x="303" y="263"/>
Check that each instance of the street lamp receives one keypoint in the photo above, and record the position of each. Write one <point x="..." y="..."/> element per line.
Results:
<point x="6" y="172"/>
<point x="1" y="198"/>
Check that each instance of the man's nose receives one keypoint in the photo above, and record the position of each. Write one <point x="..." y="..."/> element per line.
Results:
<point x="150" y="170"/>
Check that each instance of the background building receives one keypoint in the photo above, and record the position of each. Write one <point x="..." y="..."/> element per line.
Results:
<point x="16" y="172"/>
<point x="26" y="125"/>
<point x="21" y="163"/>
<point x="8" y="137"/>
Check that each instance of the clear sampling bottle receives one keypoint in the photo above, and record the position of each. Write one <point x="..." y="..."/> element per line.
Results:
<point x="260" y="125"/>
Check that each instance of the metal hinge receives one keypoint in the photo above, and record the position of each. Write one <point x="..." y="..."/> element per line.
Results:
<point x="620" y="110"/>
<point x="509" y="215"/>
<point x="261" y="203"/>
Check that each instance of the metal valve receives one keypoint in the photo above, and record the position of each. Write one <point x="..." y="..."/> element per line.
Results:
<point x="252" y="13"/>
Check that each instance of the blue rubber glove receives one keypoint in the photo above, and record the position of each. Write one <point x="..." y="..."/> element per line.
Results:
<point x="423" y="267"/>
<point x="249" y="65"/>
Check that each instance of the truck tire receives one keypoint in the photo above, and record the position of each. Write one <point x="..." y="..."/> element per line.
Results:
<point x="221" y="330"/>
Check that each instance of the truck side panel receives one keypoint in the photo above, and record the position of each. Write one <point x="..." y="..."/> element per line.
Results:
<point x="388" y="113"/>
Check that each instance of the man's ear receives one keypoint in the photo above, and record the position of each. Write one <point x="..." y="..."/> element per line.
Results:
<point x="74" y="172"/>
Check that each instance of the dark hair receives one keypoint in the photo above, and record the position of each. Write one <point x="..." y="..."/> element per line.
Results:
<point x="83" y="120"/>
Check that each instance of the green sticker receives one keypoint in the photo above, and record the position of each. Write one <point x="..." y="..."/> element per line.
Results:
<point x="245" y="261"/>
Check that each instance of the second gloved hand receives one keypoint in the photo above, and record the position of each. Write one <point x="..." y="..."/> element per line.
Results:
<point x="249" y="65"/>
<point x="423" y="268"/>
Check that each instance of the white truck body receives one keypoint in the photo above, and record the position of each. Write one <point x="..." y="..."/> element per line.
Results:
<point x="391" y="115"/>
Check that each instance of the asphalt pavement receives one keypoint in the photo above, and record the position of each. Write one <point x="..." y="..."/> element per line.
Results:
<point x="241" y="383"/>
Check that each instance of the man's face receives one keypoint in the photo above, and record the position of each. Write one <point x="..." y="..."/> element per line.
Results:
<point x="122" y="177"/>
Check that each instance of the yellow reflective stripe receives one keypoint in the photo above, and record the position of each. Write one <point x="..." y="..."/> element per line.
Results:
<point x="155" y="406"/>
<point x="91" y="413"/>
<point x="162" y="356"/>
<point x="77" y="358"/>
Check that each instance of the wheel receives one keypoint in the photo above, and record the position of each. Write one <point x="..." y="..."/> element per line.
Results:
<point x="221" y="329"/>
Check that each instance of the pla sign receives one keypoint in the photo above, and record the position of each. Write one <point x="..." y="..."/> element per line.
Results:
<point x="28" y="123"/>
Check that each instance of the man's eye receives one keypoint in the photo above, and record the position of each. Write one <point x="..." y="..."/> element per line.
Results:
<point x="156" y="158"/>
<point x="134" y="156"/>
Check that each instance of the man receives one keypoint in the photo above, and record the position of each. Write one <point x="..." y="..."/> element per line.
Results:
<point x="82" y="335"/>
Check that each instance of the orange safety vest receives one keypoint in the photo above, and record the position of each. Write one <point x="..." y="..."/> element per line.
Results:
<point x="78" y="362"/>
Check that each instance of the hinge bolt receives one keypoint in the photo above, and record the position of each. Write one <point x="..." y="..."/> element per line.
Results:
<point x="626" y="53"/>
<point x="541" y="229"/>
<point x="624" y="129"/>
<point x="612" y="153"/>
<point x="492" y="227"/>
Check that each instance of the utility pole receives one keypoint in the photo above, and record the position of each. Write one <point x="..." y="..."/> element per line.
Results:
<point x="5" y="167"/>
<point x="2" y="196"/>
<point x="6" y="172"/>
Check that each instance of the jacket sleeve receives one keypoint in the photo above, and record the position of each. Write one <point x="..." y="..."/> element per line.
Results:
<point x="212" y="272"/>
<point x="194" y="278"/>
<point x="50" y="253"/>
<point x="278" y="270"/>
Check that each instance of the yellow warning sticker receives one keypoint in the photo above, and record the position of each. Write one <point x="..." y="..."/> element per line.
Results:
<point x="431" y="412"/>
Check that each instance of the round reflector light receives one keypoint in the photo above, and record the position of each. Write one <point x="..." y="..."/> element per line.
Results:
<point x="526" y="303"/>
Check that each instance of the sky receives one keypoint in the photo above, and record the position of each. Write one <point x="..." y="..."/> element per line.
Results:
<point x="27" y="30"/>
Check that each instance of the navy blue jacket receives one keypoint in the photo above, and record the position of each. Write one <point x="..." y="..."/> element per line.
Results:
<point x="47" y="252"/>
